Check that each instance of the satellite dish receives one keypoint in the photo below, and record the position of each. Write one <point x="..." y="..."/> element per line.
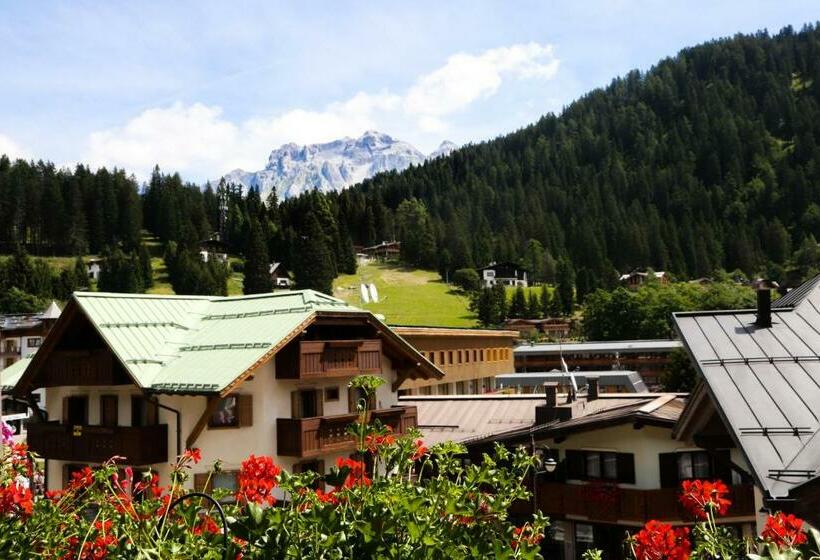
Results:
<point x="365" y="293"/>
<point x="374" y="295"/>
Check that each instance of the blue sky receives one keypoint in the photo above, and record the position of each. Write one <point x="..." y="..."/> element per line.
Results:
<point x="205" y="87"/>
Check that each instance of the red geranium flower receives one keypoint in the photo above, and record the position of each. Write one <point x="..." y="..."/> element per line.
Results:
<point x="786" y="531"/>
<point x="258" y="476"/>
<point x="193" y="455"/>
<point x="699" y="497"/>
<point x="81" y="479"/>
<point x="357" y="475"/>
<point x="525" y="534"/>
<point x="658" y="541"/>
<point x="420" y="451"/>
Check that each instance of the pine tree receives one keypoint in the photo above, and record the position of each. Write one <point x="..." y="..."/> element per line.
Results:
<point x="566" y="286"/>
<point x="518" y="306"/>
<point x="533" y="305"/>
<point x="313" y="267"/>
<point x="546" y="301"/>
<point x="257" y="264"/>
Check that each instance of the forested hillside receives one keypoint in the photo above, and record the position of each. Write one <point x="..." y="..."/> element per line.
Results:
<point x="709" y="160"/>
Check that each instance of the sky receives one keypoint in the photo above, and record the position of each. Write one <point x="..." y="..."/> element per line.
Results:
<point x="206" y="87"/>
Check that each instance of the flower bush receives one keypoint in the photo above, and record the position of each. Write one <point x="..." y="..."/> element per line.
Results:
<point x="782" y="538"/>
<point x="393" y="498"/>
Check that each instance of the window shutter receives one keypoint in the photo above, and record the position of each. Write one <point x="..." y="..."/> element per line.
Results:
<point x="295" y="406"/>
<point x="320" y="402"/>
<point x="65" y="410"/>
<point x="722" y="465"/>
<point x="575" y="465"/>
<point x="626" y="468"/>
<point x="151" y="413"/>
<point x="245" y="412"/>
<point x="669" y="469"/>
<point x="201" y="482"/>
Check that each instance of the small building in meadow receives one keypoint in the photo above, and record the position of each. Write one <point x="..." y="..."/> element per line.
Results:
<point x="504" y="273"/>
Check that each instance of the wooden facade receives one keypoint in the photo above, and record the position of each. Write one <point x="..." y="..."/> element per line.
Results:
<point x="143" y="445"/>
<point x="314" y="437"/>
<point x="315" y="359"/>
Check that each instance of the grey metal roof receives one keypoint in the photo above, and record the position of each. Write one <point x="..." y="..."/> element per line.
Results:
<point x="599" y="347"/>
<point x="630" y="380"/>
<point x="795" y="296"/>
<point x="766" y="384"/>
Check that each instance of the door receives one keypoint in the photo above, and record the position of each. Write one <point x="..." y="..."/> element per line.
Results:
<point x="307" y="403"/>
<point x="109" y="410"/>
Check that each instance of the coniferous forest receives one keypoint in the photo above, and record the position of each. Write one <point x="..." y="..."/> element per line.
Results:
<point x="708" y="161"/>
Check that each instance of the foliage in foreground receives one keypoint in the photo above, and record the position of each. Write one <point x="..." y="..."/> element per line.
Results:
<point x="369" y="506"/>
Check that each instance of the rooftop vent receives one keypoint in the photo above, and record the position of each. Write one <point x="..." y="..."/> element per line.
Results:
<point x="764" y="302"/>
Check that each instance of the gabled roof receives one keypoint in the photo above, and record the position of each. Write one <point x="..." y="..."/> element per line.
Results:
<point x="630" y="380"/>
<point x="798" y="294"/>
<point x="599" y="347"/>
<point x="52" y="311"/>
<point x="204" y="344"/>
<point x="12" y="374"/>
<point x="765" y="384"/>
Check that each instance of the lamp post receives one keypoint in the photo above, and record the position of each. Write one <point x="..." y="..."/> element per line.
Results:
<point x="543" y="459"/>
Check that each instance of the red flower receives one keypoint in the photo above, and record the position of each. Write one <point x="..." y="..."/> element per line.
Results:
<point x="699" y="497"/>
<point x="786" y="531"/>
<point x="374" y="443"/>
<point x="150" y="484"/>
<point x="207" y="525"/>
<point x="81" y="479"/>
<point x="525" y="534"/>
<point x="357" y="475"/>
<point x="327" y="497"/>
<point x="257" y="479"/>
<point x="420" y="451"/>
<point x="658" y="541"/>
<point x="16" y="499"/>
<point x="192" y="455"/>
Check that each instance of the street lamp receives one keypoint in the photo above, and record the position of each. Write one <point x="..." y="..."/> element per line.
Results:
<point x="543" y="458"/>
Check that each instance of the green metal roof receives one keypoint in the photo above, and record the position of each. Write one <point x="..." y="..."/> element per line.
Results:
<point x="12" y="374"/>
<point x="192" y="344"/>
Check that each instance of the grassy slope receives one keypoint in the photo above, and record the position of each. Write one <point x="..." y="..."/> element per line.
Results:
<point x="407" y="297"/>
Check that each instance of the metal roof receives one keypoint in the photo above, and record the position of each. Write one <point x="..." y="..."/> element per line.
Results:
<point x="765" y="382"/>
<point x="12" y="374"/>
<point x="470" y="418"/>
<point x="630" y="380"/>
<point x="599" y="347"/>
<point x="202" y="343"/>
<point x="795" y="296"/>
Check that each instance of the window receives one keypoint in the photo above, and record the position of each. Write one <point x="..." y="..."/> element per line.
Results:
<point x="75" y="410"/>
<point x="461" y="388"/>
<point x="600" y="465"/>
<point x="432" y="357"/>
<point x="675" y="467"/>
<point x="475" y="355"/>
<point x="693" y="465"/>
<point x="143" y="412"/>
<point x="226" y="413"/>
<point x="444" y="389"/>
<point x="34" y="342"/>
<point x="426" y="390"/>
<point x="467" y="356"/>
<point x="441" y="358"/>
<point x="450" y="357"/>
<point x="481" y="353"/>
<point x="331" y="394"/>
<point x="460" y="360"/>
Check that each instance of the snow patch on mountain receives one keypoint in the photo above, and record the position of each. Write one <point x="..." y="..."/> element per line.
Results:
<point x="293" y="169"/>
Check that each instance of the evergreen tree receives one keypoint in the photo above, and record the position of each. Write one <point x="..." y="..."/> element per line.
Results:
<point x="257" y="264"/>
<point x="546" y="302"/>
<point x="533" y="305"/>
<point x="518" y="305"/>
<point x="566" y="286"/>
<point x="314" y="267"/>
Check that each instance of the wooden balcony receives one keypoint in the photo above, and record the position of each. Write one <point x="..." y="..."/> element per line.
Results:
<point x="312" y="359"/>
<point x="560" y="500"/>
<point x="96" y="444"/>
<point x="321" y="435"/>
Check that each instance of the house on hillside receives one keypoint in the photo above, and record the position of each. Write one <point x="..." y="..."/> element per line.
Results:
<point x="144" y="377"/>
<point x="615" y="466"/>
<point x="279" y="275"/>
<point x="759" y="393"/>
<point x="551" y="327"/>
<point x="384" y="251"/>
<point x="638" y="278"/>
<point x="504" y="273"/>
<point x="213" y="249"/>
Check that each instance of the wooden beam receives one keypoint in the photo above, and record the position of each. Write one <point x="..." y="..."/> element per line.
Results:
<point x="210" y="408"/>
<point x="37" y="410"/>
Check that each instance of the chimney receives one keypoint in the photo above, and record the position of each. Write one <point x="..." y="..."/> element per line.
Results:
<point x="764" y="302"/>
<point x="546" y="412"/>
<point x="592" y="388"/>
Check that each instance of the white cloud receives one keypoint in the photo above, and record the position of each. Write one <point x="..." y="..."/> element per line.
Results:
<point x="11" y="148"/>
<point x="200" y="142"/>
<point x="466" y="78"/>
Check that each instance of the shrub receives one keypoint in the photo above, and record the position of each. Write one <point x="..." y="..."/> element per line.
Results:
<point x="467" y="279"/>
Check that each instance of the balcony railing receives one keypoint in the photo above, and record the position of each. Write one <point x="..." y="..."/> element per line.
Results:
<point x="143" y="445"/>
<point x="627" y="504"/>
<point x="313" y="437"/>
<point x="339" y="358"/>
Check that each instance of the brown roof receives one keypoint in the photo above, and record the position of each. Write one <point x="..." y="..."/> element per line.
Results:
<point x="474" y="418"/>
<point x="451" y="331"/>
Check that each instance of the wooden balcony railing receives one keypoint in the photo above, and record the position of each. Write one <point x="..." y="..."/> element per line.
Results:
<point x="313" y="437"/>
<point x="312" y="359"/>
<point x="143" y="445"/>
<point x="626" y="504"/>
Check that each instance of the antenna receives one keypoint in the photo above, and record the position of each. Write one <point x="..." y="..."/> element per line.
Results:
<point x="365" y="293"/>
<point x="566" y="370"/>
<point x="374" y="295"/>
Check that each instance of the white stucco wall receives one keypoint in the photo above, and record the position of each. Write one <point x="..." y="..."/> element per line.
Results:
<point x="271" y="400"/>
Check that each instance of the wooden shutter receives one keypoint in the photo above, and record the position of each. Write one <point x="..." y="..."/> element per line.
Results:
<point x="65" y="410"/>
<point x="668" y="463"/>
<point x="244" y="405"/>
<point x="320" y="402"/>
<point x="626" y="468"/>
<point x="202" y="482"/>
<point x="108" y="410"/>
<point x="295" y="405"/>
<point x="575" y="465"/>
<point x="151" y="413"/>
<point x="722" y="465"/>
